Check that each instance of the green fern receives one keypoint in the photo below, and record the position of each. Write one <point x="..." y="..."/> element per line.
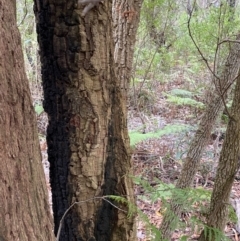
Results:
<point x="194" y="200"/>
<point x="160" y="191"/>
<point x="133" y="209"/>
<point x="181" y="101"/>
<point x="214" y="234"/>
<point x="186" y="197"/>
<point x="136" y="137"/>
<point x="163" y="190"/>
<point x="181" y="93"/>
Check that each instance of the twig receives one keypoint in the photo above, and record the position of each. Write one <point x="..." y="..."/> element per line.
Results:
<point x="229" y="41"/>
<point x="79" y="202"/>
<point x="25" y="14"/>
<point x="213" y="72"/>
<point x="195" y="44"/>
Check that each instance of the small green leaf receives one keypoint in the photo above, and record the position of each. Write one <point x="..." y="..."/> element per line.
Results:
<point x="184" y="238"/>
<point x="39" y="109"/>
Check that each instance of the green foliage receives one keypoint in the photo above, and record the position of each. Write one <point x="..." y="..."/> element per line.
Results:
<point x="132" y="210"/>
<point x="181" y="93"/>
<point x="164" y="25"/>
<point x="193" y="200"/>
<point x="224" y="118"/>
<point x="232" y="215"/>
<point x="27" y="26"/>
<point x="181" y="101"/>
<point x="38" y="109"/>
<point x="145" y="99"/>
<point x="214" y="234"/>
<point x="184" y="238"/>
<point x="156" y="33"/>
<point x="136" y="137"/>
<point x="152" y="231"/>
<point x="160" y="191"/>
<point x="188" y="196"/>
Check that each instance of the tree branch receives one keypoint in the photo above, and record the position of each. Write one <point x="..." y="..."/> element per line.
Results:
<point x="90" y="199"/>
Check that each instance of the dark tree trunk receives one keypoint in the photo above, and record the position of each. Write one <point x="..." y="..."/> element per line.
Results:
<point x="88" y="144"/>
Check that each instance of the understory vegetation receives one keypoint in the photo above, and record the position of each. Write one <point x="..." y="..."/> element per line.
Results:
<point x="178" y="55"/>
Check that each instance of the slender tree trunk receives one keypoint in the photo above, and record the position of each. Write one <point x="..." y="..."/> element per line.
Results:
<point x="229" y="163"/>
<point x="201" y="139"/>
<point x="126" y="17"/>
<point x="88" y="143"/>
<point x="25" y="213"/>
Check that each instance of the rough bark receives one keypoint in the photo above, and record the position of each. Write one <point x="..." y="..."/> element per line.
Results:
<point x="25" y="213"/>
<point x="201" y="138"/>
<point x="227" y="168"/>
<point x="88" y="144"/>
<point x="126" y="17"/>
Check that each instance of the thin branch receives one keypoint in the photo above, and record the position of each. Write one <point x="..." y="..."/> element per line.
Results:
<point x="25" y="14"/>
<point x="229" y="41"/>
<point x="148" y="70"/>
<point x="104" y="198"/>
<point x="195" y="44"/>
<point x="79" y="202"/>
<point x="213" y="72"/>
<point x="219" y="89"/>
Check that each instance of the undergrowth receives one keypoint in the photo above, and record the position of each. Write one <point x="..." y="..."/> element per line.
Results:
<point x="136" y="136"/>
<point x="195" y="202"/>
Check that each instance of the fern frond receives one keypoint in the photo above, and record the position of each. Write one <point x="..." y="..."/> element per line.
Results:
<point x="181" y="101"/>
<point x="136" y="137"/>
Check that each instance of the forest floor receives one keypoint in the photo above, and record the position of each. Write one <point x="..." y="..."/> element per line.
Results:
<point x="158" y="160"/>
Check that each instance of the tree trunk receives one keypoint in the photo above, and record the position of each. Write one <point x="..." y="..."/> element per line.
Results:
<point x="126" y="17"/>
<point x="88" y="143"/>
<point x="25" y="213"/>
<point x="227" y="168"/>
<point x="201" y="138"/>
